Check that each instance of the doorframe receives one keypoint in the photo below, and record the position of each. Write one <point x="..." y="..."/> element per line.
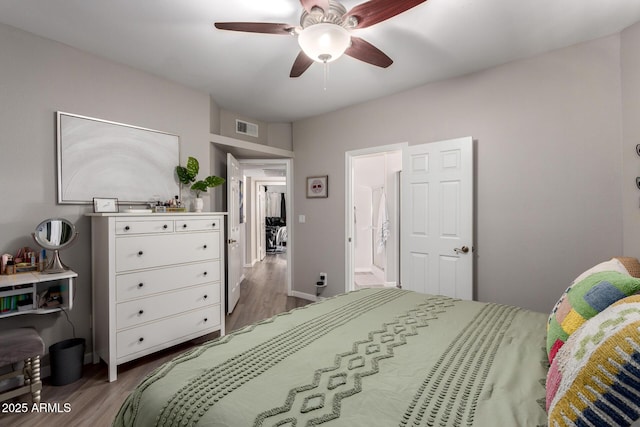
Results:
<point x="349" y="229"/>
<point x="260" y="215"/>
<point x="264" y="182"/>
<point x="288" y="162"/>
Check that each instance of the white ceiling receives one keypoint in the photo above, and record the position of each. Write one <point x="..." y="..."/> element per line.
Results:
<point x="249" y="73"/>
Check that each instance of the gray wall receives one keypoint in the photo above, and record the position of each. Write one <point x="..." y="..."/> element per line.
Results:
<point x="631" y="136"/>
<point x="214" y="116"/>
<point x="548" y="182"/>
<point x="39" y="77"/>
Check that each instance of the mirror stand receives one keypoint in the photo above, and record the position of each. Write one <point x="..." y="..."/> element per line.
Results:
<point x="55" y="234"/>
<point x="55" y="265"/>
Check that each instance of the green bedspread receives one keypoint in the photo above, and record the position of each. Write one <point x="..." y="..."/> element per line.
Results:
<point x="375" y="357"/>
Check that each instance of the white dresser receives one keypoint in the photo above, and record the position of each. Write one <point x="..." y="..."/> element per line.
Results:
<point x="158" y="280"/>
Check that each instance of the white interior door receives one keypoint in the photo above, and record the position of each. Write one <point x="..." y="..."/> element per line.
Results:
<point x="437" y="218"/>
<point x="234" y="255"/>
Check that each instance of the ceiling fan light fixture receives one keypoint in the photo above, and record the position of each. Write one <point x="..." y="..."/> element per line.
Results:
<point x="324" y="42"/>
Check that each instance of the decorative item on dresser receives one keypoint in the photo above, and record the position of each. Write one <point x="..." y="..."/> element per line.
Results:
<point x="187" y="175"/>
<point x="158" y="280"/>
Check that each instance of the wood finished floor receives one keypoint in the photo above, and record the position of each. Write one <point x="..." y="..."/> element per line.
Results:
<point x="95" y="402"/>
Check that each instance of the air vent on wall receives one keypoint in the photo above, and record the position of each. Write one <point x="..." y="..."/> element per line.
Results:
<point x="246" y="128"/>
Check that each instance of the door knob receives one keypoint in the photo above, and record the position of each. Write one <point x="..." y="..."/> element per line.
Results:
<point x="231" y="241"/>
<point x="463" y="249"/>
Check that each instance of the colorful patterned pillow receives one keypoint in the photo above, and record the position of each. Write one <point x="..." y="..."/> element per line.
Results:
<point x="590" y="293"/>
<point x="614" y="264"/>
<point x="595" y="377"/>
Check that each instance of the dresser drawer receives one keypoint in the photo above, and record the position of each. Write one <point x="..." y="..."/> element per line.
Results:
<point x="138" y="252"/>
<point x="156" y="334"/>
<point x="197" y="224"/>
<point x="143" y="283"/>
<point x="144" y="227"/>
<point x="135" y="312"/>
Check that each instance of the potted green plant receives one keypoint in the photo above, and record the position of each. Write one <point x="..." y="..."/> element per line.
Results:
<point x="187" y="175"/>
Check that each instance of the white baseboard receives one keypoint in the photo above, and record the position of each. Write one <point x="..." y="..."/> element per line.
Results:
<point x="378" y="272"/>
<point x="308" y="297"/>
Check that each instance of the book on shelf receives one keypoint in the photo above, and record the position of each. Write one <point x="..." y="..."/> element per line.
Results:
<point x="16" y="303"/>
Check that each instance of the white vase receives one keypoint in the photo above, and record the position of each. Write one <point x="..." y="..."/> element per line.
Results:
<point x="199" y="204"/>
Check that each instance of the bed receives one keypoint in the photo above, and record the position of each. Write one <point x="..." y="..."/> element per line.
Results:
<point x="393" y="357"/>
<point x="374" y="357"/>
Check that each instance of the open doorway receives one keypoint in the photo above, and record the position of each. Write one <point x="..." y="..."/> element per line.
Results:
<point x="435" y="221"/>
<point x="267" y="232"/>
<point x="373" y="209"/>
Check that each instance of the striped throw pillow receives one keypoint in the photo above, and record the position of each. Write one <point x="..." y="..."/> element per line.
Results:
<point x="595" y="377"/>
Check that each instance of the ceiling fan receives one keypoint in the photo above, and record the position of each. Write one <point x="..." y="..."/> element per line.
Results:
<point x="325" y="28"/>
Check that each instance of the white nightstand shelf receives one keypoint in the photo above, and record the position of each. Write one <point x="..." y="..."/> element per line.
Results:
<point x="26" y="287"/>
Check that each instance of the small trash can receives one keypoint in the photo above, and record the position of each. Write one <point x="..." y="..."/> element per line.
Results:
<point x="66" y="358"/>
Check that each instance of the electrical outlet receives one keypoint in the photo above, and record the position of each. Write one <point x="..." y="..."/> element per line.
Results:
<point x="323" y="277"/>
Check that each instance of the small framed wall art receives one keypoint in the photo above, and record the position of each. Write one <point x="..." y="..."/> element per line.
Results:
<point x="317" y="186"/>
<point x="105" y="205"/>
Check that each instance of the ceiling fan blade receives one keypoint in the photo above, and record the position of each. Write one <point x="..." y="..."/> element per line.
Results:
<point x="374" y="11"/>
<point x="300" y="65"/>
<point x="310" y="4"/>
<point x="365" y="51"/>
<point x="255" y="27"/>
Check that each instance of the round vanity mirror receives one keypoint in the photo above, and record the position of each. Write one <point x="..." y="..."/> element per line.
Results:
<point x="54" y="234"/>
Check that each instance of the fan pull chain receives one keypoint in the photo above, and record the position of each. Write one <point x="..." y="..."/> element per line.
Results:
<point x="325" y="74"/>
